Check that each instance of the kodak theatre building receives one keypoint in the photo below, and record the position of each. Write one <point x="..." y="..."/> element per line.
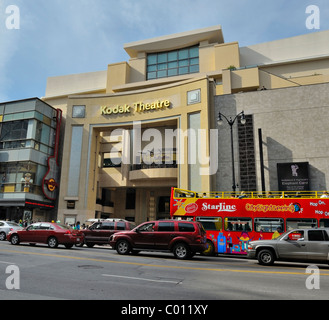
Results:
<point x="141" y="127"/>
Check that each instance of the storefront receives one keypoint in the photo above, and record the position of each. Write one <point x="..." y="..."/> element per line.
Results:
<point x="29" y="133"/>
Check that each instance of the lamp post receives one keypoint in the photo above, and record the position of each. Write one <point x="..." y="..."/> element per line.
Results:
<point x="231" y="122"/>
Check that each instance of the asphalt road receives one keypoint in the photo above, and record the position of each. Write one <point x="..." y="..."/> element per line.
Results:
<point x="101" y="274"/>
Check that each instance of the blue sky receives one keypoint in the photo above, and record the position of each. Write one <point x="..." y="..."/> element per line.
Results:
<point x="59" y="37"/>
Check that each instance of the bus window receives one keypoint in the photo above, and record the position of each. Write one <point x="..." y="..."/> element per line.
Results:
<point x="324" y="223"/>
<point x="268" y="224"/>
<point x="237" y="224"/>
<point x="301" y="223"/>
<point x="211" y="223"/>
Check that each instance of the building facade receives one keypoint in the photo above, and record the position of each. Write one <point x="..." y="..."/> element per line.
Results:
<point x="140" y="127"/>
<point x="29" y="133"/>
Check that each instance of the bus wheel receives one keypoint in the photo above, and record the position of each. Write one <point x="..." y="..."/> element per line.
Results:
<point x="210" y="251"/>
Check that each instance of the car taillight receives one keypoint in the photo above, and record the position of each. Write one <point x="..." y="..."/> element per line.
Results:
<point x="11" y="229"/>
<point x="68" y="232"/>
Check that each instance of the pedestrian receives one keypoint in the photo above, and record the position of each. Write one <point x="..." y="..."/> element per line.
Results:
<point x="325" y="194"/>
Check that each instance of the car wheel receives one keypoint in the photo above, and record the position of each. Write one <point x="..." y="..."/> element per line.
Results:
<point x="265" y="257"/>
<point x="52" y="242"/>
<point x="14" y="239"/>
<point x="2" y="236"/>
<point x="123" y="247"/>
<point x="182" y="251"/>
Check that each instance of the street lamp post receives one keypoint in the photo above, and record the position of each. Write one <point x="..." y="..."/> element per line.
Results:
<point x="220" y="122"/>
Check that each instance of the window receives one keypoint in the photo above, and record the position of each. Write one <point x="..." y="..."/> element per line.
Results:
<point x="185" y="227"/>
<point x="317" y="235"/>
<point x="324" y="223"/>
<point x="237" y="224"/>
<point x="173" y="63"/>
<point x="301" y="223"/>
<point x="211" y="223"/>
<point x="147" y="227"/>
<point x="130" y="199"/>
<point x="295" y="235"/>
<point x="46" y="226"/>
<point x="121" y="226"/>
<point x="268" y="225"/>
<point x="79" y="112"/>
<point x="107" y="226"/>
<point x="166" y="226"/>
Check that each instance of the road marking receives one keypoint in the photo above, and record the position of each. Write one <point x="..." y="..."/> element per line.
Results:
<point x="141" y="279"/>
<point x="160" y="266"/>
<point x="5" y="262"/>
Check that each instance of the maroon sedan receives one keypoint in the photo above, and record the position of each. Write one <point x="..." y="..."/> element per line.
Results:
<point x="52" y="234"/>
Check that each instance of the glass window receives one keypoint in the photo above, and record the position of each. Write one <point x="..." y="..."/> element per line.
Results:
<point x="211" y="223"/>
<point x="317" y="235"/>
<point x="121" y="226"/>
<point x="300" y="223"/>
<point x="185" y="227"/>
<point x="130" y="199"/>
<point x="147" y="227"/>
<point x="194" y="69"/>
<point x="268" y="225"/>
<point x="151" y="59"/>
<point x="194" y="52"/>
<point x="194" y="61"/>
<point x="14" y="130"/>
<point x="172" y="63"/>
<point x="162" y="74"/>
<point x="78" y="111"/>
<point x="152" y="68"/>
<point x="324" y="223"/>
<point x="172" y="56"/>
<point x="172" y="72"/>
<point x="295" y="235"/>
<point x="166" y="226"/>
<point x="183" y="70"/>
<point x="183" y="54"/>
<point x="151" y="75"/>
<point x="162" y="57"/>
<point x="183" y="63"/>
<point x="45" y="226"/>
<point x="237" y="224"/>
<point x="107" y="226"/>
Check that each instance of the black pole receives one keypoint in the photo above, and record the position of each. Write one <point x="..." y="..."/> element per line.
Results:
<point x="231" y="123"/>
<point x="232" y="149"/>
<point x="262" y="172"/>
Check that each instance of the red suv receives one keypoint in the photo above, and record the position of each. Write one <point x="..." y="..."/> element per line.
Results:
<point x="182" y="238"/>
<point x="100" y="232"/>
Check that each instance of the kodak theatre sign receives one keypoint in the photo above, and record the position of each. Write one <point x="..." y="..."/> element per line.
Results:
<point x="137" y="107"/>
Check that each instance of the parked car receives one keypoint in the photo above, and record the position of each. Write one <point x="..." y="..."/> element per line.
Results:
<point x="6" y="226"/>
<point x="52" y="234"/>
<point x="303" y="245"/>
<point x="100" y="232"/>
<point x="182" y="238"/>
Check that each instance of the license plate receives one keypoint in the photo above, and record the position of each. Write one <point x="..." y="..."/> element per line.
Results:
<point x="78" y="239"/>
